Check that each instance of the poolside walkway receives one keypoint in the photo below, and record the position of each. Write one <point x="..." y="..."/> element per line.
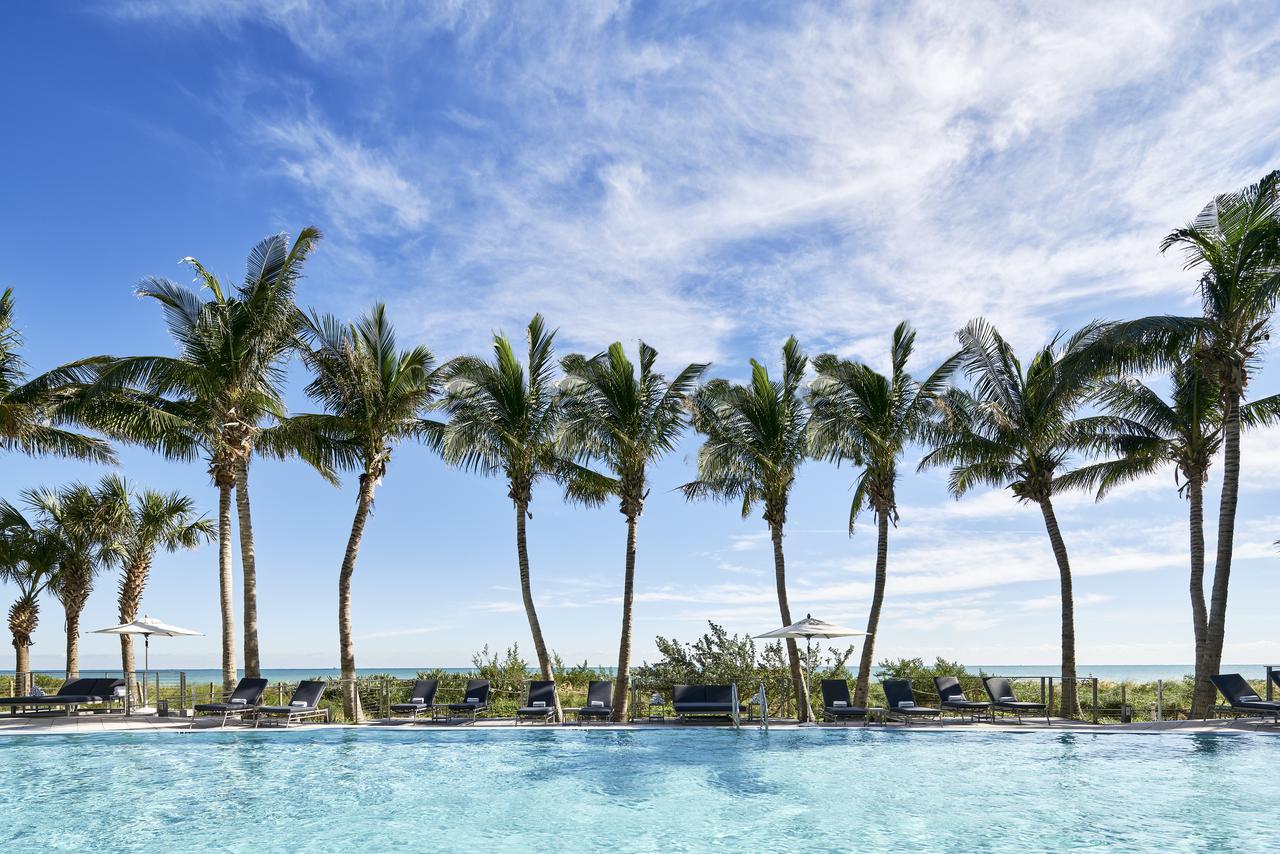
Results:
<point x="77" y="724"/>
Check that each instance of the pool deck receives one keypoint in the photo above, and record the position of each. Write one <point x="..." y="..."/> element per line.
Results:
<point x="89" y="724"/>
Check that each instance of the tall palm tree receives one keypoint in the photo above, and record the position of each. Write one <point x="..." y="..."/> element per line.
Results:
<point x="1018" y="429"/>
<point x="29" y="557"/>
<point x="1235" y="243"/>
<point x="74" y="516"/>
<point x="1149" y="433"/>
<point x="374" y="396"/>
<point x="216" y="396"/>
<point x="756" y="438"/>
<point x="866" y="418"/>
<point x="34" y="412"/>
<point x="625" y="422"/>
<point x="147" y="520"/>
<point x="504" y="420"/>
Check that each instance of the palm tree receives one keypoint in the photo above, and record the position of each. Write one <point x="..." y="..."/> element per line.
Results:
<point x="34" y="411"/>
<point x="1018" y="429"/>
<point x="374" y="396"/>
<point x="75" y="517"/>
<point x="213" y="398"/>
<point x="756" y="438"/>
<point x="147" y="521"/>
<point x="1186" y="431"/>
<point x="29" y="557"/>
<point x="504" y="421"/>
<point x="1235" y="243"/>
<point x="865" y="418"/>
<point x="625" y="422"/>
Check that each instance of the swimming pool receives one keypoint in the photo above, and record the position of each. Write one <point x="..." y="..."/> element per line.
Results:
<point x="605" y="790"/>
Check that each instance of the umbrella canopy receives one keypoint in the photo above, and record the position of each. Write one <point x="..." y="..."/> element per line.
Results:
<point x="811" y="627"/>
<point x="148" y="626"/>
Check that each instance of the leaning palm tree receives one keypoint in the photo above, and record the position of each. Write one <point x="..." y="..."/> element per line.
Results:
<point x="77" y="519"/>
<point x="625" y="422"/>
<point x="147" y="521"/>
<point x="1018" y="429"/>
<point x="504" y="420"/>
<point x="1149" y="433"/>
<point x="866" y="418"/>
<point x="35" y="411"/>
<point x="756" y="438"/>
<point x="374" y="395"/>
<point x="29" y="557"/>
<point x="215" y="397"/>
<point x="1235" y="243"/>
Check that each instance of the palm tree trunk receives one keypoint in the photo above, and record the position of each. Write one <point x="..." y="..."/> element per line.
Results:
<point x="863" y="685"/>
<point x="346" y="645"/>
<point x="1199" y="612"/>
<point x="1217" y="626"/>
<point x="248" y="566"/>
<point x="622" y="683"/>
<point x="1069" y="703"/>
<point x="73" y="642"/>
<point x="526" y="592"/>
<point x="132" y="584"/>
<point x="803" y="711"/>
<point x="225" y="588"/>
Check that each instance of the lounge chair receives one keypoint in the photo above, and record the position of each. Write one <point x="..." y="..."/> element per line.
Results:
<point x="72" y="695"/>
<point x="599" y="702"/>
<point x="1003" y="699"/>
<point x="1275" y="677"/>
<point x="541" y="704"/>
<point x="901" y="701"/>
<point x="422" y="699"/>
<point x="243" y="700"/>
<point x="475" y="700"/>
<point x="836" y="704"/>
<point x="696" y="700"/>
<point x="1243" y="699"/>
<point x="951" y="698"/>
<point x="304" y="704"/>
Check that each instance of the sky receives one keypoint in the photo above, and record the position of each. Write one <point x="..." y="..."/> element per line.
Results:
<point x="709" y="177"/>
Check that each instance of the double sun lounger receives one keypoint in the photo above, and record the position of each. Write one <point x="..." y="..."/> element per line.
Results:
<point x="102" y="693"/>
<point x="901" y="701"/>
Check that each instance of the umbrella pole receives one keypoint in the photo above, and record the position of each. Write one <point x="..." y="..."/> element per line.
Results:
<point x="808" y="675"/>
<point x="146" y="665"/>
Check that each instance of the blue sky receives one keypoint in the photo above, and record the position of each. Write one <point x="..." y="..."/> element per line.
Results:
<point x="711" y="179"/>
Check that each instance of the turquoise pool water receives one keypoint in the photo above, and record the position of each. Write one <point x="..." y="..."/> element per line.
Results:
<point x="571" y="790"/>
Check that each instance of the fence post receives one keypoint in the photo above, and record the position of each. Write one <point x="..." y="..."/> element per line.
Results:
<point x="1049" y="702"/>
<point x="1270" y="684"/>
<point x="1159" y="699"/>
<point x="182" y="692"/>
<point x="1095" y="699"/>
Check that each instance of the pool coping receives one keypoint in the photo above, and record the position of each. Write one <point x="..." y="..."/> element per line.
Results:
<point x="102" y="724"/>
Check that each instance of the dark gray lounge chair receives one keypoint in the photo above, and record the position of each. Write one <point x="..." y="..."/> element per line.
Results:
<point x="474" y="700"/>
<point x="951" y="698"/>
<point x="836" y="704"/>
<point x="1243" y="699"/>
<point x="422" y="699"/>
<point x="599" y="702"/>
<point x="1275" y="677"/>
<point x="1003" y="699"/>
<point x="901" y="701"/>
<point x="701" y="700"/>
<point x="541" y="703"/>
<point x="304" y="704"/>
<point x="72" y="695"/>
<point x="243" y="700"/>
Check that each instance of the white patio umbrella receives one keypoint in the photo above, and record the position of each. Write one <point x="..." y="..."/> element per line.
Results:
<point x="809" y="628"/>
<point x="147" y="626"/>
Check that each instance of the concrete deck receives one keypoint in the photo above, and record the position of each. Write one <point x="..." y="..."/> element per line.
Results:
<point x="90" y="724"/>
